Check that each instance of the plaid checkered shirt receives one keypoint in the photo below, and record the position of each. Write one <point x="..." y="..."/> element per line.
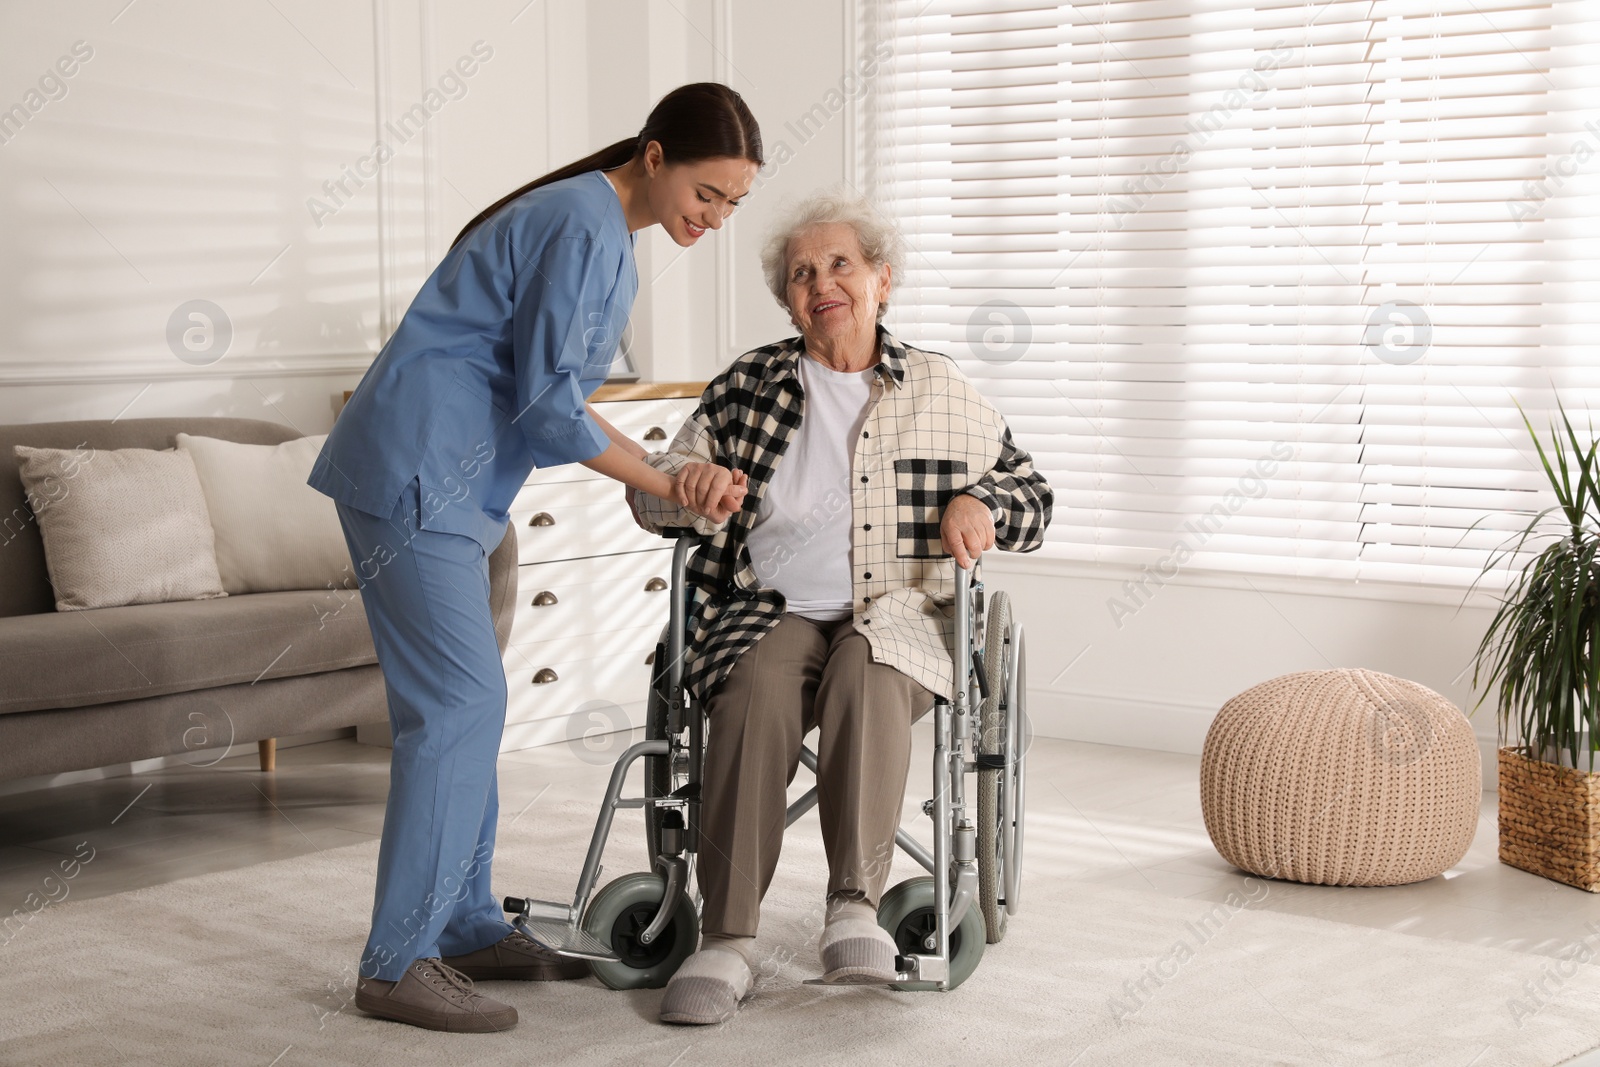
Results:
<point x="928" y="435"/>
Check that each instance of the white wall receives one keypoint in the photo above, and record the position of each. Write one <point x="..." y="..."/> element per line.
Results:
<point x="180" y="161"/>
<point x="176" y="167"/>
<point x="1156" y="681"/>
<point x="791" y="55"/>
<point x="227" y="154"/>
<point x="186" y="157"/>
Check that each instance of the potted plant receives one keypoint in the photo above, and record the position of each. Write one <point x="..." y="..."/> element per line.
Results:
<point x="1541" y="657"/>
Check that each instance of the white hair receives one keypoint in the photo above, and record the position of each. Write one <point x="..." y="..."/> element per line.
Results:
<point x="881" y="242"/>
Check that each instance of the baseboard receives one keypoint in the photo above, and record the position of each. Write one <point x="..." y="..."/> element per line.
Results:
<point x="574" y="730"/>
<point x="558" y="730"/>
<point x="1164" y="726"/>
<point x="1131" y="722"/>
<point x="1096" y="718"/>
<point x="120" y="770"/>
<point x="1489" y="751"/>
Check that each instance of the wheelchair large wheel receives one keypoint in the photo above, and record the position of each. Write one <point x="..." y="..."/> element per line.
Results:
<point x="619" y="913"/>
<point x="1000" y="788"/>
<point x="906" y="911"/>
<point x="660" y="776"/>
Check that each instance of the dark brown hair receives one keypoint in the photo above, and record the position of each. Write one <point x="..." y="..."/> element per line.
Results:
<point x="701" y="120"/>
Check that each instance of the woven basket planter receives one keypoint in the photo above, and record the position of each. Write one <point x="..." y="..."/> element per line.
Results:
<point x="1550" y="819"/>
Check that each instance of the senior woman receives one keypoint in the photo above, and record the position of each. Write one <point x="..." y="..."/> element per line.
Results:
<point x="825" y="601"/>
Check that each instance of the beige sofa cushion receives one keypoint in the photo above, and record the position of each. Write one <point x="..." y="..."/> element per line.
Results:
<point x="120" y="526"/>
<point x="69" y="659"/>
<point x="273" y="531"/>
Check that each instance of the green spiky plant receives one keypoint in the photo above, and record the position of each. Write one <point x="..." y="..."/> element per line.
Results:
<point x="1541" y="653"/>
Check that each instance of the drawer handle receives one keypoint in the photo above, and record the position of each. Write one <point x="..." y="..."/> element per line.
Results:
<point x="544" y="518"/>
<point x="545" y="676"/>
<point x="655" y="585"/>
<point x="545" y="599"/>
<point x="655" y="433"/>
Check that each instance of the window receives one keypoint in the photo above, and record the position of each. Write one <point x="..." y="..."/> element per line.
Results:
<point x="1259" y="287"/>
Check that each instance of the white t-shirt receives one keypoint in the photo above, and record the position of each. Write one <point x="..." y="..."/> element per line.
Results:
<point x="800" y="543"/>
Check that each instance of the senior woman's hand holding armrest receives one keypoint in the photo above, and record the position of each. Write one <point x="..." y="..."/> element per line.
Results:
<point x="966" y="529"/>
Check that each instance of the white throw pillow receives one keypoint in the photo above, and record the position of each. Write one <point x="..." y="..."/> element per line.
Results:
<point x="273" y="531"/>
<point x="120" y="526"/>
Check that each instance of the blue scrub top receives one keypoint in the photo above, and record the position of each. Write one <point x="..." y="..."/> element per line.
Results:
<point x="489" y="371"/>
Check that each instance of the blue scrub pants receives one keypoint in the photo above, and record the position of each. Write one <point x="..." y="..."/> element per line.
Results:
<point x="426" y="595"/>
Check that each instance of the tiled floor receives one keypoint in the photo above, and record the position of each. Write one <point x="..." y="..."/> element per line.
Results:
<point x="1129" y="817"/>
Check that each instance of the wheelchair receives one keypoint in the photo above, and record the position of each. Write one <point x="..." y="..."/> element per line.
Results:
<point x="639" y="928"/>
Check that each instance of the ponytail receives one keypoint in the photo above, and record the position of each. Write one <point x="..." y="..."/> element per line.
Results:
<point x="702" y="120"/>
<point x="606" y="159"/>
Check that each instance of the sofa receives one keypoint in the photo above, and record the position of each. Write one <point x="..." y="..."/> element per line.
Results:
<point x="190" y="678"/>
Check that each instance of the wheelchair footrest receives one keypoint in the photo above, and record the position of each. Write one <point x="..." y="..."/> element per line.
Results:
<point x="903" y="964"/>
<point x="858" y="983"/>
<point x="566" y="939"/>
<point x="911" y="968"/>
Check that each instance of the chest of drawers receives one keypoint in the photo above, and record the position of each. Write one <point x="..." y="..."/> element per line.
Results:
<point x="592" y="590"/>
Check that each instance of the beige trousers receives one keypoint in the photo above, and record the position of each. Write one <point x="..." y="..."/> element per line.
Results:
<point x="803" y="674"/>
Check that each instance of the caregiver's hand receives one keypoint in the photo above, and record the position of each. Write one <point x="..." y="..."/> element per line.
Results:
<point x="710" y="490"/>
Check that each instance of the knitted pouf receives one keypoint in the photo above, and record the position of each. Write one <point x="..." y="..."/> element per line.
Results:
<point x="1341" y="777"/>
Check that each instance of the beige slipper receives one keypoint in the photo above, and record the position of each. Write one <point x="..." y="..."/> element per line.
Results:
<point x="707" y="988"/>
<point x="857" y="952"/>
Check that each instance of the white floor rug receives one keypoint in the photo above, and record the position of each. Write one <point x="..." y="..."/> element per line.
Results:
<point x="255" y="966"/>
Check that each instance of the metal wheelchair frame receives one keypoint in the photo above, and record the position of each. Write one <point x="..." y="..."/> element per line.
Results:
<point x="673" y="817"/>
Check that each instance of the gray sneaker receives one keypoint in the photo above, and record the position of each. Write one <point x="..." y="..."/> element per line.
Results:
<point x="436" y="996"/>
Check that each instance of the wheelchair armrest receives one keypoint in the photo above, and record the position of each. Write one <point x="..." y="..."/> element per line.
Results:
<point x="672" y="533"/>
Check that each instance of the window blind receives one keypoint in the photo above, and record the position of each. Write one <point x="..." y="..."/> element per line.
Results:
<point x="1259" y="287"/>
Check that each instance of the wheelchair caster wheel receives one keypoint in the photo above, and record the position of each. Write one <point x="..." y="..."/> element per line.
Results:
<point x="906" y="911"/>
<point x="619" y="913"/>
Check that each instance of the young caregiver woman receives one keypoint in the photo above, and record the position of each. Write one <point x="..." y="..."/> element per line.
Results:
<point x="486" y="377"/>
